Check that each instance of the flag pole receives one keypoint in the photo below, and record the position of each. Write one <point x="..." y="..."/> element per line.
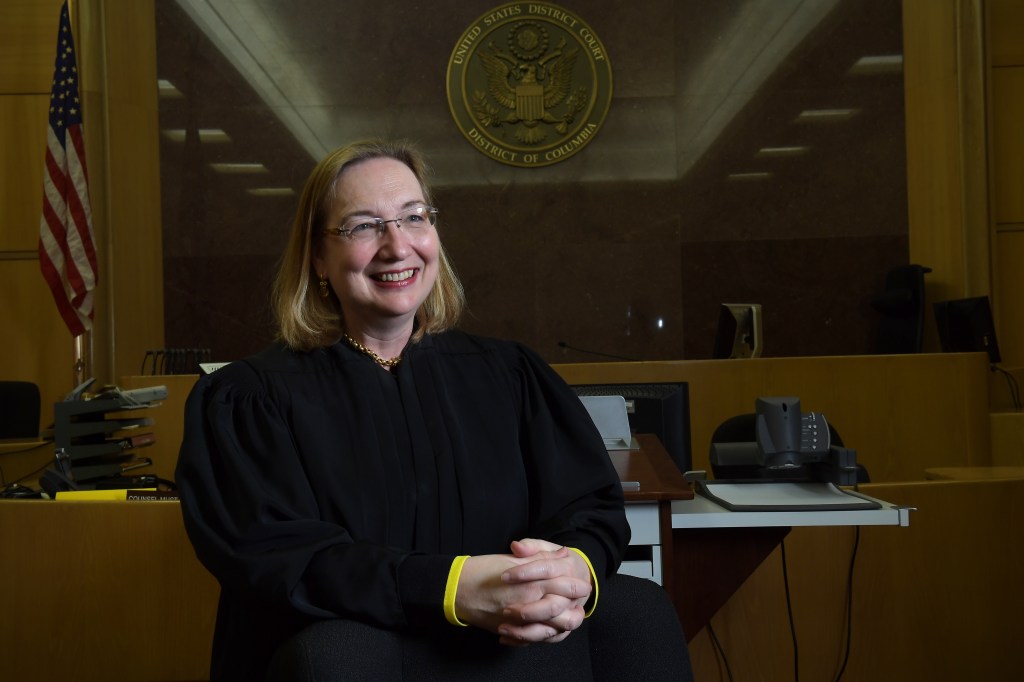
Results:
<point x="83" y="342"/>
<point x="82" y="368"/>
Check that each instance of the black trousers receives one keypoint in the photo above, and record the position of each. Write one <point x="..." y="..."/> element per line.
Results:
<point x="633" y="634"/>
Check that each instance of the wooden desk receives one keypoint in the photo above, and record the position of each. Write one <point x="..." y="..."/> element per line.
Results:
<point x="951" y="577"/>
<point x="113" y="591"/>
<point x="649" y="508"/>
<point x="716" y="550"/>
<point x="102" y="591"/>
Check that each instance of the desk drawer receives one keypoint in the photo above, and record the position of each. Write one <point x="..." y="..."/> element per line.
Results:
<point x="643" y="523"/>
<point x="643" y="561"/>
<point x="640" y="569"/>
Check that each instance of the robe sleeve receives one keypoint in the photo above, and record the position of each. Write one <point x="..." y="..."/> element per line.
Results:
<point x="575" y="494"/>
<point x="254" y="520"/>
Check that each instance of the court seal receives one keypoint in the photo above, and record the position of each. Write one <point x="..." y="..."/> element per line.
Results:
<point x="529" y="84"/>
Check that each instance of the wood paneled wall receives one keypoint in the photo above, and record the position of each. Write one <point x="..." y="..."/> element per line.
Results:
<point x="900" y="413"/>
<point x="947" y="193"/>
<point x="36" y="345"/>
<point x="135" y="278"/>
<point x="1006" y="73"/>
<point x="115" y="44"/>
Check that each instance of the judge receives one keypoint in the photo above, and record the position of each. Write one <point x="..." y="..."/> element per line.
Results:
<point x="378" y="466"/>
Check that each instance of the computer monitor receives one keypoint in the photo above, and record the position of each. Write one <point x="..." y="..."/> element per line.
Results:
<point x="966" y="326"/>
<point x="739" y="331"/>
<point x="661" y="408"/>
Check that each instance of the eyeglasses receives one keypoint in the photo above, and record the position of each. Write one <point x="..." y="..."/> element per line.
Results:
<point x="413" y="221"/>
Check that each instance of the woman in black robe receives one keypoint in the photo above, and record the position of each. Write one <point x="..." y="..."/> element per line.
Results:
<point x="379" y="466"/>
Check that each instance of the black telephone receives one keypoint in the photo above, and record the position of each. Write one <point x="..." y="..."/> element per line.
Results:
<point x="788" y="444"/>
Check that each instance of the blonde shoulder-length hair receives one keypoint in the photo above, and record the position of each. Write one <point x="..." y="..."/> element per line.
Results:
<point x="307" y="320"/>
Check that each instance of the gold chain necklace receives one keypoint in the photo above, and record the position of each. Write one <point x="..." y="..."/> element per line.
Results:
<point x="386" y="364"/>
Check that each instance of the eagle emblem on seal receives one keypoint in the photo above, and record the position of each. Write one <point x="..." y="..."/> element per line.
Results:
<point x="528" y="85"/>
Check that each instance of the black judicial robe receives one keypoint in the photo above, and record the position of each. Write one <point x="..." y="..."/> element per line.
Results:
<point x="317" y="485"/>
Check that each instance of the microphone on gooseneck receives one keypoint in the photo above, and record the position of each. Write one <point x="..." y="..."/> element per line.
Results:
<point x="563" y="344"/>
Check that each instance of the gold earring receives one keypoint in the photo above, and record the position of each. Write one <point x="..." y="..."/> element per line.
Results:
<point x="324" y="292"/>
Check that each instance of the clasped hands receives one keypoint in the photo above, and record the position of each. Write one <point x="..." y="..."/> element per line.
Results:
<point x="535" y="594"/>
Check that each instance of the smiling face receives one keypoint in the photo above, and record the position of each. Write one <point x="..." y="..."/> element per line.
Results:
<point x="380" y="282"/>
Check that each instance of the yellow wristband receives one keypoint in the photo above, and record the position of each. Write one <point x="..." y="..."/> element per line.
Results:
<point x="593" y="579"/>
<point x="451" y="587"/>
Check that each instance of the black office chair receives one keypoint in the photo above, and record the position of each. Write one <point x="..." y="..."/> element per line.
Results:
<point x="633" y="635"/>
<point x="902" y="307"/>
<point x="743" y="429"/>
<point x="19" y="410"/>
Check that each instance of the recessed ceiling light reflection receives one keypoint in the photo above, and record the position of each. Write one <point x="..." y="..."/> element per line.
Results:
<point x="748" y="177"/>
<point x="271" y="191"/>
<point x="776" y="152"/>
<point x="869" y="66"/>
<point x="206" y="135"/>
<point x="167" y="90"/>
<point x="826" y="115"/>
<point x="239" y="168"/>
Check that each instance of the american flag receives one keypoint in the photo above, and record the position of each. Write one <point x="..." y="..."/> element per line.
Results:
<point x="66" y="252"/>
